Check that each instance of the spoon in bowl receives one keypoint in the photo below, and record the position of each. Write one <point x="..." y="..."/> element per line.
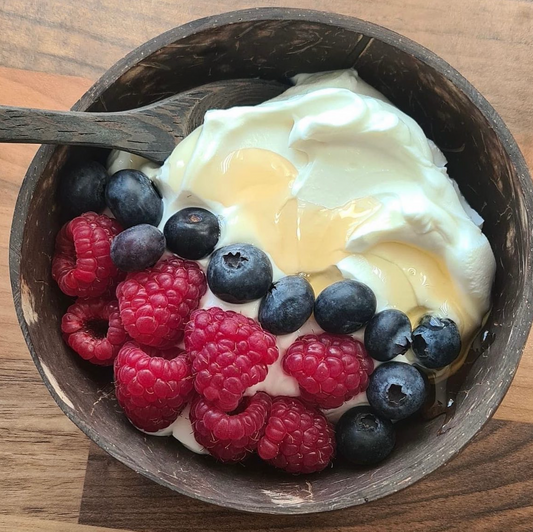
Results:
<point x="151" y="131"/>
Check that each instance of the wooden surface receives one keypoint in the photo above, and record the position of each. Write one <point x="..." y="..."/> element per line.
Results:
<point x="51" y="478"/>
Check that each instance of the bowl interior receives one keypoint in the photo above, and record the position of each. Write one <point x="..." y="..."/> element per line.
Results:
<point x="274" y="44"/>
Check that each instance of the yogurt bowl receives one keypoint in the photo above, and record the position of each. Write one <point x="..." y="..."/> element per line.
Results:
<point x="276" y="44"/>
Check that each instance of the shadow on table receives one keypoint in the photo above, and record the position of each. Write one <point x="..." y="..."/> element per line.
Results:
<point x="487" y="488"/>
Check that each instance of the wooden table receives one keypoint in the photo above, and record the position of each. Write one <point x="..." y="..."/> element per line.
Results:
<point x="51" y="477"/>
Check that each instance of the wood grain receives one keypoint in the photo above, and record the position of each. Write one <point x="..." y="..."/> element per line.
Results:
<point x="67" y="37"/>
<point x="11" y="523"/>
<point x="464" y="495"/>
<point x="42" y="454"/>
<point x="489" y="41"/>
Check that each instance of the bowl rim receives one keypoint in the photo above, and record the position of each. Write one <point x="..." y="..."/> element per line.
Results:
<point x="370" y="30"/>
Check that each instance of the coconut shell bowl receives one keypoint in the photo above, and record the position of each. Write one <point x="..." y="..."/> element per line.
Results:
<point x="274" y="44"/>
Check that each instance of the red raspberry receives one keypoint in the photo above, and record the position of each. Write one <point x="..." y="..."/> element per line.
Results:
<point x="156" y="303"/>
<point x="230" y="437"/>
<point x="93" y="328"/>
<point x="82" y="264"/>
<point x="297" y="438"/>
<point x="229" y="353"/>
<point x="329" y="369"/>
<point x="152" y="390"/>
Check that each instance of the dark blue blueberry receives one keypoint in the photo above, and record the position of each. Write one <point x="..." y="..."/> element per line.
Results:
<point x="344" y="307"/>
<point x="287" y="305"/>
<point x="396" y="390"/>
<point x="192" y="233"/>
<point x="137" y="248"/>
<point x="82" y="189"/>
<point x="387" y="335"/>
<point x="239" y="273"/>
<point x="133" y="199"/>
<point x="364" y="437"/>
<point x="436" y="342"/>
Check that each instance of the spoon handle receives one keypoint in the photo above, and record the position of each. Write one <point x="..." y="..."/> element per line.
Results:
<point x="151" y="131"/>
<point x="131" y="131"/>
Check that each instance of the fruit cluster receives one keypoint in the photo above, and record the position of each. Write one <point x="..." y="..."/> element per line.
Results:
<point x="138" y="301"/>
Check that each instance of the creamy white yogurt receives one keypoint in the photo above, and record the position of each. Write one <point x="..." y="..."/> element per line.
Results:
<point x="182" y="430"/>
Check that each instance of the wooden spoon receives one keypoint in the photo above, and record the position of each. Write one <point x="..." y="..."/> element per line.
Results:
<point x="152" y="131"/>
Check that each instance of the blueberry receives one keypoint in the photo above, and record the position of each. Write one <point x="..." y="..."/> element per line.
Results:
<point x="137" y="248"/>
<point x="344" y="307"/>
<point x="364" y="437"/>
<point x="396" y="390"/>
<point x="133" y="199"/>
<point x="239" y="273"/>
<point x="387" y="335"/>
<point x="287" y="305"/>
<point x="192" y="233"/>
<point x="82" y="189"/>
<point x="436" y="342"/>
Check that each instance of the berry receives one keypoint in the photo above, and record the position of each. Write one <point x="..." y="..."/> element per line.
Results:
<point x="82" y="189"/>
<point x="387" y="335"/>
<point x="396" y="390"/>
<point x="138" y="248"/>
<point x="329" y="369"/>
<point x="239" y="273"/>
<point x="297" y="438"/>
<point x="287" y="305"/>
<point x="192" y="233"/>
<point x="436" y="342"/>
<point x="156" y="303"/>
<point x="152" y="390"/>
<point x="230" y="437"/>
<point x="229" y="353"/>
<point x="344" y="307"/>
<point x="363" y="437"/>
<point x="133" y="199"/>
<point x="82" y="264"/>
<point x="93" y="328"/>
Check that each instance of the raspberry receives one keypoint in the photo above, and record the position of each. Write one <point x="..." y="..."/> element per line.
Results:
<point x="297" y="438"/>
<point x="229" y="353"/>
<point x="329" y="369"/>
<point x="156" y="303"/>
<point x="93" y="328"/>
<point x="152" y="390"/>
<point x="82" y="265"/>
<point x="230" y="437"/>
